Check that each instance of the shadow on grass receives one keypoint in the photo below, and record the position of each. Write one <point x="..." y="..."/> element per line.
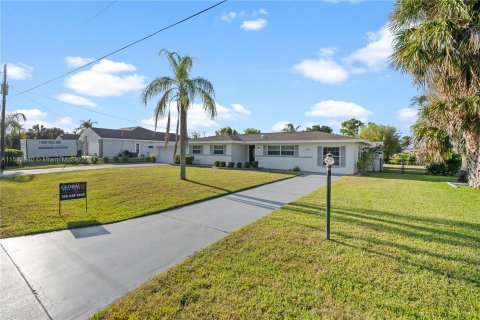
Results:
<point x="86" y="229"/>
<point x="20" y="178"/>
<point x="426" y="243"/>
<point x="208" y="185"/>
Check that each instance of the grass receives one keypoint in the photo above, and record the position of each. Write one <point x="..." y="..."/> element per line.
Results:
<point x="58" y="164"/>
<point x="29" y="203"/>
<point x="404" y="246"/>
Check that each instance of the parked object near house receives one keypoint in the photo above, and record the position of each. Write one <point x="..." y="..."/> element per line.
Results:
<point x="282" y="150"/>
<point x="137" y="142"/>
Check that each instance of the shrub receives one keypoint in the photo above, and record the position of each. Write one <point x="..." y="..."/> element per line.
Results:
<point x="125" y="159"/>
<point x="239" y="164"/>
<point x="296" y="169"/>
<point x="105" y="159"/>
<point x="463" y="176"/>
<point x="223" y="164"/>
<point x="153" y="159"/>
<point x="189" y="159"/>
<point x="450" y="167"/>
<point x="216" y="163"/>
<point x="84" y="160"/>
<point x="255" y="164"/>
<point x="73" y="160"/>
<point x="246" y="164"/>
<point x="13" y="157"/>
<point x="231" y="164"/>
<point x="94" y="160"/>
<point x="116" y="159"/>
<point x="177" y="159"/>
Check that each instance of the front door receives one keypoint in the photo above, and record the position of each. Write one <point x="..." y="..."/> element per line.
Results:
<point x="251" y="153"/>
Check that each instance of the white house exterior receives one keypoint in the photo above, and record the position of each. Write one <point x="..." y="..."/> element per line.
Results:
<point x="138" y="141"/>
<point x="282" y="150"/>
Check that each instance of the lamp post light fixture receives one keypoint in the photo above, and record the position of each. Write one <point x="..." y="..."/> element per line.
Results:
<point x="329" y="161"/>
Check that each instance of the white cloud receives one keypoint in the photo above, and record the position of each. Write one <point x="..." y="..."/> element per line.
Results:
<point x="75" y="100"/>
<point x="37" y="116"/>
<point x="278" y="126"/>
<point x="407" y="115"/>
<point x="375" y="54"/>
<point x="102" y="80"/>
<point x="197" y="118"/>
<point x="229" y="17"/>
<point x="323" y="69"/>
<point x="259" y="12"/>
<point x="338" y="109"/>
<point x="19" y="71"/>
<point x="254" y="25"/>
<point x="75" y="62"/>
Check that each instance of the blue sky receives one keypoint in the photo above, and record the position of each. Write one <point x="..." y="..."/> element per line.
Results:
<point x="305" y="62"/>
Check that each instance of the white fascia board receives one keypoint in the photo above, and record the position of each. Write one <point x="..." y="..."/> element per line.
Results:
<point x="282" y="141"/>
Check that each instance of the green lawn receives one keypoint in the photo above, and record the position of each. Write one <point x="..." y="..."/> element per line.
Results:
<point x="29" y="203"/>
<point x="58" y="164"/>
<point x="404" y="246"/>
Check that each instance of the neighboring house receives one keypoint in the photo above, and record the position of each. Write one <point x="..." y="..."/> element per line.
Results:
<point x="282" y="150"/>
<point x="70" y="137"/>
<point x="139" y="141"/>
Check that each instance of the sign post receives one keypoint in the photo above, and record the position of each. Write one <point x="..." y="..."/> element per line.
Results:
<point x="71" y="191"/>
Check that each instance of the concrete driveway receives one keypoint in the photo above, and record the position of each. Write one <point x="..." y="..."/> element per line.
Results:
<point x="71" y="274"/>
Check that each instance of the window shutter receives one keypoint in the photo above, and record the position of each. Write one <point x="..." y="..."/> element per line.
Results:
<point x="201" y="149"/>
<point x="211" y="149"/>
<point x="264" y="150"/>
<point x="320" y="156"/>
<point x="343" y="158"/>
<point x="190" y="149"/>
<point x="224" y="149"/>
<point x="296" y="151"/>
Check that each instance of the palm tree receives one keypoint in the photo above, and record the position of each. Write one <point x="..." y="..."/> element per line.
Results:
<point x="289" y="127"/>
<point x="184" y="90"/>
<point x="13" y="127"/>
<point x="438" y="43"/>
<point x="85" y="124"/>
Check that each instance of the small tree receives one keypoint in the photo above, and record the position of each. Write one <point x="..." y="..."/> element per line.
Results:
<point x="289" y="127"/>
<point x="251" y="131"/>
<point x="225" y="131"/>
<point x="319" y="128"/>
<point x="351" y="127"/>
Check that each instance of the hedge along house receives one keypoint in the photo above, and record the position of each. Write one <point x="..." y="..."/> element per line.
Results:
<point x="283" y="150"/>
<point x="138" y="141"/>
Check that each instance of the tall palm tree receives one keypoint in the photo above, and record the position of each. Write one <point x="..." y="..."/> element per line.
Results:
<point x="289" y="127"/>
<point x="13" y="127"/>
<point x="85" y="124"/>
<point x="184" y="90"/>
<point x="438" y="43"/>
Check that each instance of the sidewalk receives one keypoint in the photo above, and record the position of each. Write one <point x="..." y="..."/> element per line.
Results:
<point x="74" y="273"/>
<point x="12" y="173"/>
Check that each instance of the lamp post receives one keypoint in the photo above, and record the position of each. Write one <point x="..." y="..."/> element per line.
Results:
<point x="329" y="161"/>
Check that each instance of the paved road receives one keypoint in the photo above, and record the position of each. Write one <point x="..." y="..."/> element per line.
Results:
<point x="71" y="274"/>
<point x="12" y="173"/>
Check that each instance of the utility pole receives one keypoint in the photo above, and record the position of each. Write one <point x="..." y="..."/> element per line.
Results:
<point x="2" y="128"/>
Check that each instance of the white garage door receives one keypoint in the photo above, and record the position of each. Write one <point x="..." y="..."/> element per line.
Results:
<point x="165" y="155"/>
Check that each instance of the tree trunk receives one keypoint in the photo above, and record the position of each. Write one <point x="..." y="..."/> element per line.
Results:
<point x="472" y="151"/>
<point x="183" y="142"/>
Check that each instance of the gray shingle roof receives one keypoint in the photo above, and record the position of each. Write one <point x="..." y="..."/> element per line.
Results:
<point x="276" y="136"/>
<point x="134" y="133"/>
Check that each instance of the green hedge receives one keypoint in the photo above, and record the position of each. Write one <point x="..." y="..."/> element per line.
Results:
<point x="13" y="156"/>
<point x="188" y="159"/>
<point x="450" y="167"/>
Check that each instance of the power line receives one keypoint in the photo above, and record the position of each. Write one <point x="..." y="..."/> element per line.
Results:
<point x="123" y="48"/>
<point x="97" y="14"/>
<point x="90" y="110"/>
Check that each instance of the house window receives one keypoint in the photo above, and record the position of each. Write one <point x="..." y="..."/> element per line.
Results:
<point x="218" y="149"/>
<point x="137" y="148"/>
<point x="287" y="150"/>
<point x="273" y="150"/>
<point x="281" y="150"/>
<point x="335" y="151"/>
<point x="150" y="147"/>
<point x="197" y="149"/>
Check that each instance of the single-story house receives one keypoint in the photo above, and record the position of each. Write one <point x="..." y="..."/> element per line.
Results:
<point x="138" y="141"/>
<point x="283" y="150"/>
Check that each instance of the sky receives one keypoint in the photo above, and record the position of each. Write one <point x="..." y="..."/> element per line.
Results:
<point x="271" y="63"/>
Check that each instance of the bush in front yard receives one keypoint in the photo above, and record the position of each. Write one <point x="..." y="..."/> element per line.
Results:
<point x="239" y="164"/>
<point x="13" y="157"/>
<point x="94" y="160"/>
<point x="246" y="164"/>
<point x="255" y="164"/>
<point x="231" y="164"/>
<point x="449" y="168"/>
<point x="189" y="159"/>
<point x="105" y="159"/>
<point x="216" y="164"/>
<point x="125" y="159"/>
<point x="223" y="164"/>
<point x="116" y="159"/>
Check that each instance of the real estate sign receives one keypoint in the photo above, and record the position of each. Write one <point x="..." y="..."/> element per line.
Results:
<point x="72" y="190"/>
